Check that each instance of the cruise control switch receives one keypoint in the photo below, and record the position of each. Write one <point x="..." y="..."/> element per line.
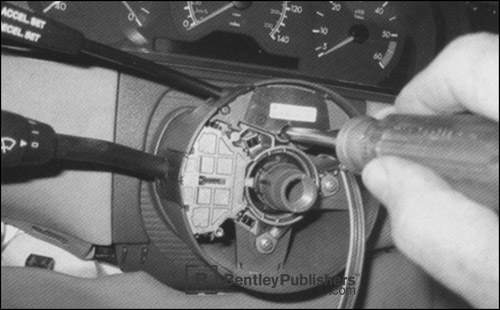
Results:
<point x="26" y="142"/>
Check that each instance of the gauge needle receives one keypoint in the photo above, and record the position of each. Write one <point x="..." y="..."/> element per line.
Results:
<point x="53" y="4"/>
<point x="337" y="46"/>
<point x="214" y="14"/>
<point x="129" y="8"/>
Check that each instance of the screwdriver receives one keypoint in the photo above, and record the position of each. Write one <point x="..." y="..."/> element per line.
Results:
<point x="462" y="148"/>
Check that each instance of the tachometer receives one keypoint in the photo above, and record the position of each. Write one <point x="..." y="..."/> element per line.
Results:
<point x="359" y="41"/>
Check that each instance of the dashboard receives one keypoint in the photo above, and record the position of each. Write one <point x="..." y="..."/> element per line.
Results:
<point x="375" y="45"/>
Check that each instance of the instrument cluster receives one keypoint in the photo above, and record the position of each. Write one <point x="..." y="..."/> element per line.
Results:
<point x="379" y="44"/>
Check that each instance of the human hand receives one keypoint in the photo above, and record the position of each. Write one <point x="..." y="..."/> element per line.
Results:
<point x="453" y="238"/>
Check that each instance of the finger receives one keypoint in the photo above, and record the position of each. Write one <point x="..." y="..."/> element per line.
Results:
<point x="454" y="239"/>
<point x="463" y="77"/>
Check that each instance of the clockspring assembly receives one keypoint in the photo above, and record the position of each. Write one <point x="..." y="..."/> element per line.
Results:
<point x="249" y="201"/>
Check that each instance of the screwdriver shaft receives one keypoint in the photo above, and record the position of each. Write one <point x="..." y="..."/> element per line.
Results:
<point x="312" y="136"/>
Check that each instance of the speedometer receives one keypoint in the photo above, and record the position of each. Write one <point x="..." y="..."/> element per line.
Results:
<point x="194" y="19"/>
<point x="277" y="26"/>
<point x="359" y="41"/>
<point x="284" y="25"/>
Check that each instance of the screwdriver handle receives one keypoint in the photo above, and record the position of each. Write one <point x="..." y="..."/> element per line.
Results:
<point x="463" y="148"/>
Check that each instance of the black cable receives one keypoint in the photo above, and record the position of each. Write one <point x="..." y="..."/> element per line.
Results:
<point x="163" y="74"/>
<point x="111" y="155"/>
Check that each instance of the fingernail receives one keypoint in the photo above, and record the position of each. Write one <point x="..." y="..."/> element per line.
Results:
<point x="384" y="112"/>
<point x="375" y="179"/>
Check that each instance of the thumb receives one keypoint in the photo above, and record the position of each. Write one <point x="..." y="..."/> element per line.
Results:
<point x="454" y="239"/>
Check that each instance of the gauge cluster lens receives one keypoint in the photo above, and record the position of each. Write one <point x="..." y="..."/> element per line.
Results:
<point x="359" y="42"/>
<point x="371" y="43"/>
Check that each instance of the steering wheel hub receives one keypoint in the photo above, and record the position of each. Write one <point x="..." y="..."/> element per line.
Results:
<point x="253" y="201"/>
<point x="285" y="181"/>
